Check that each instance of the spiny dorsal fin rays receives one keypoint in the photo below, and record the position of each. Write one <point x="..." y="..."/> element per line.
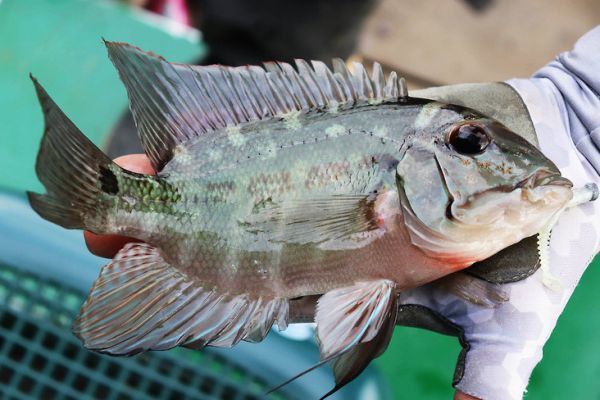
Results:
<point x="308" y="75"/>
<point x="173" y="103"/>
<point x="390" y="91"/>
<point x="274" y="70"/>
<point x="362" y="82"/>
<point x="328" y="83"/>
<point x="378" y="80"/>
<point x="343" y="75"/>
<point x="403" y="89"/>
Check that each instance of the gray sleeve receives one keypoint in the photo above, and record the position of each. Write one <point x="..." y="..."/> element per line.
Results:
<point x="576" y="75"/>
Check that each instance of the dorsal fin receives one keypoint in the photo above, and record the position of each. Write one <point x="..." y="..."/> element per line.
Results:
<point x="172" y="103"/>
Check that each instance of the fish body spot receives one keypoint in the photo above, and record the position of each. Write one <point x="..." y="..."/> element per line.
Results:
<point x="291" y="120"/>
<point x="235" y="136"/>
<point x="270" y="150"/>
<point x="108" y="181"/>
<point x="427" y="113"/>
<point x="183" y="155"/>
<point x="215" y="155"/>
<point x="335" y="130"/>
<point x="380" y="131"/>
<point x="334" y="108"/>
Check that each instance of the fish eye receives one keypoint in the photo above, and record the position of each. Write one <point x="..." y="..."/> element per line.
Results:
<point x="469" y="138"/>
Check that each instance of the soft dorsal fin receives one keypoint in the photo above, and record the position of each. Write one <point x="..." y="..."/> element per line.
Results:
<point x="172" y="103"/>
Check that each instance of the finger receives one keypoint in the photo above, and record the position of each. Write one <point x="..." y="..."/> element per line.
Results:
<point x="139" y="163"/>
<point x="458" y="395"/>
<point x="108" y="245"/>
<point x="105" y="245"/>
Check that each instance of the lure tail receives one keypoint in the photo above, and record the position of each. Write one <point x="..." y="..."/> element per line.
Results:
<point x="79" y="177"/>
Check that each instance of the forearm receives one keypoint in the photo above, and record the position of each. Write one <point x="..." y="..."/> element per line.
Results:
<point x="575" y="77"/>
<point x="562" y="105"/>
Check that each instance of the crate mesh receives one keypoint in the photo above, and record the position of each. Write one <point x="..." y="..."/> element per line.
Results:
<point x="41" y="359"/>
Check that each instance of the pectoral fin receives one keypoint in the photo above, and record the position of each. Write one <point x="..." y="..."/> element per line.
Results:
<point x="354" y="326"/>
<point x="324" y="220"/>
<point x="473" y="289"/>
<point x="314" y="220"/>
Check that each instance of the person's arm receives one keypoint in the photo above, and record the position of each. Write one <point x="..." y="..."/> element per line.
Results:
<point x="571" y="85"/>
<point x="505" y="344"/>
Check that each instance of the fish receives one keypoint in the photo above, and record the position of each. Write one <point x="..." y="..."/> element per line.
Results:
<point x="281" y="183"/>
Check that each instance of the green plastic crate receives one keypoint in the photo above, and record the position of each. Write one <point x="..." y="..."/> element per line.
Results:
<point x="41" y="359"/>
<point x="60" y="43"/>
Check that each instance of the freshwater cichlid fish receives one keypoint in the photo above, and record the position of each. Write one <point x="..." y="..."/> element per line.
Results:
<point x="277" y="183"/>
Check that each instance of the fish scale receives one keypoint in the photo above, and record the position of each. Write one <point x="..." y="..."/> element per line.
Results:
<point x="278" y="183"/>
<point x="273" y="182"/>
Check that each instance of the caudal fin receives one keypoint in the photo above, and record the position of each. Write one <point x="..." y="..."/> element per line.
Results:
<point x="73" y="170"/>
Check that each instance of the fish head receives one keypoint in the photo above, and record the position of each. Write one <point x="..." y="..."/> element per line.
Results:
<point x="471" y="187"/>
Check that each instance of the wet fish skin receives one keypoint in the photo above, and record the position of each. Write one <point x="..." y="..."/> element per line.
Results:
<point x="199" y="207"/>
<point x="222" y="201"/>
<point x="280" y="183"/>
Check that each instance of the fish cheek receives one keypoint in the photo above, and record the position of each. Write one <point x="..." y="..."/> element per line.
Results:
<point x="424" y="187"/>
<point x="465" y="176"/>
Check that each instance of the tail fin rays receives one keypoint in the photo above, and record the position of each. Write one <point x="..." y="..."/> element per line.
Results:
<point x="71" y="168"/>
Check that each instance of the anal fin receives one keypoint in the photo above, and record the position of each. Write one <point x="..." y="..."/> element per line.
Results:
<point x="354" y="326"/>
<point x="140" y="302"/>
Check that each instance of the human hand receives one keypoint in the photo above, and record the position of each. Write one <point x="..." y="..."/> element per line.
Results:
<point x="502" y="345"/>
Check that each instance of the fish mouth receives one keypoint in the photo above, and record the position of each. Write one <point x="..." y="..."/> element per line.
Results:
<point x="544" y="177"/>
<point x="543" y="192"/>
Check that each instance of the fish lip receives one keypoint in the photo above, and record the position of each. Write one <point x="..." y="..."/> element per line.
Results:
<point x="556" y="180"/>
<point x="543" y="177"/>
